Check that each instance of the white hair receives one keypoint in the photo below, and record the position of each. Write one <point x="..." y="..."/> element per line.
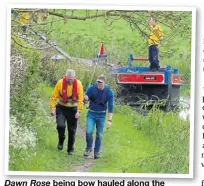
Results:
<point x="70" y="73"/>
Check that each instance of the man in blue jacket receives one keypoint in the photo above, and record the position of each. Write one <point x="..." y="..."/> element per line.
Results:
<point x="100" y="98"/>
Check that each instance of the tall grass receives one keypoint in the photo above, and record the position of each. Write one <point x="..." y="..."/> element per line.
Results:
<point x="157" y="143"/>
<point x="86" y="74"/>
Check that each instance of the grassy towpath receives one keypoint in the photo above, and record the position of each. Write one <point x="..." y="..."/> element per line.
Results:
<point x="122" y="145"/>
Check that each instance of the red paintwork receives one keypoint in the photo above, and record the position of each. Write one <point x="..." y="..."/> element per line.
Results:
<point x="141" y="78"/>
<point x="140" y="59"/>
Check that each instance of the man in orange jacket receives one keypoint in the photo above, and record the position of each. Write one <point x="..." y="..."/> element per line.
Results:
<point x="69" y="92"/>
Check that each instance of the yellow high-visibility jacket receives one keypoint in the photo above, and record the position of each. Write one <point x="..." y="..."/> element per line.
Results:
<point x="155" y="35"/>
<point x="57" y="96"/>
<point x="23" y="17"/>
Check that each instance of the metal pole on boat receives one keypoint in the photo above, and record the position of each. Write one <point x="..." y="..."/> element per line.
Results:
<point x="169" y="72"/>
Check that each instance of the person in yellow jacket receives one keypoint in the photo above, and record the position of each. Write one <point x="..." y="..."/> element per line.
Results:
<point x="154" y="39"/>
<point x="69" y="93"/>
<point x="23" y="18"/>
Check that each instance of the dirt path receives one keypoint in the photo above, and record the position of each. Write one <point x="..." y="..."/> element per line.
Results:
<point x="89" y="161"/>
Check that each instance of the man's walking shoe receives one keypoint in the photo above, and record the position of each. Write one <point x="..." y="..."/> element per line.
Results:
<point x="60" y="143"/>
<point x="87" y="152"/>
<point x="96" y="155"/>
<point x="60" y="146"/>
<point x="70" y="152"/>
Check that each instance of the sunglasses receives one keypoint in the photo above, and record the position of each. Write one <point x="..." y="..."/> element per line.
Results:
<point x="99" y="81"/>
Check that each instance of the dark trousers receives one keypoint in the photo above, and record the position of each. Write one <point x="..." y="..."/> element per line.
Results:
<point x="64" y="114"/>
<point x="153" y="53"/>
<point x="24" y="28"/>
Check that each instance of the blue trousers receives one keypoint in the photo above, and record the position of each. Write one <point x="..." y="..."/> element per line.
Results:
<point x="153" y="53"/>
<point x="93" y="119"/>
